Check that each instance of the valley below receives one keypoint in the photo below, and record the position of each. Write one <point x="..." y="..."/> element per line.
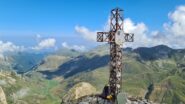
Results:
<point x="49" y="78"/>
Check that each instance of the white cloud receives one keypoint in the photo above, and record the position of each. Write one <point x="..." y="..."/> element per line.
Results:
<point x="173" y="34"/>
<point x="175" y="28"/>
<point x="86" y="33"/>
<point x="75" y="47"/>
<point x="45" y="44"/>
<point x="140" y="31"/>
<point x="177" y="24"/>
<point x="9" y="47"/>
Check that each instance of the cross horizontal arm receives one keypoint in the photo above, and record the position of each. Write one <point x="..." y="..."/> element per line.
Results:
<point x="129" y="37"/>
<point x="104" y="36"/>
<point x="110" y="37"/>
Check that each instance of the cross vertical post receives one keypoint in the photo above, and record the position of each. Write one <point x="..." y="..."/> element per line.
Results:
<point x="116" y="65"/>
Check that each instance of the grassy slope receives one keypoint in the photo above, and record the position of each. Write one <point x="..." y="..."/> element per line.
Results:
<point x="136" y="78"/>
<point x="40" y="91"/>
<point x="137" y="75"/>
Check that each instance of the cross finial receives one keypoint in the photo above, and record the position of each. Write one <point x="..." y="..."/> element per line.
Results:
<point x="116" y="29"/>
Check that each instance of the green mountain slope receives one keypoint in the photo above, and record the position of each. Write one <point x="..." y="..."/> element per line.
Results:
<point x="28" y="90"/>
<point x="142" y="66"/>
<point x="63" y="70"/>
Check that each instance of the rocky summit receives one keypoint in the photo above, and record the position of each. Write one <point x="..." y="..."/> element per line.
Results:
<point x="79" y="90"/>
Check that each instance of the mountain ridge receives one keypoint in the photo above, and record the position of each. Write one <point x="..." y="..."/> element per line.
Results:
<point x="163" y="66"/>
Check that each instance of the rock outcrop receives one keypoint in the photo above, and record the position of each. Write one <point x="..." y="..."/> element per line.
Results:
<point x="138" y="101"/>
<point x="2" y="97"/>
<point x="80" y="90"/>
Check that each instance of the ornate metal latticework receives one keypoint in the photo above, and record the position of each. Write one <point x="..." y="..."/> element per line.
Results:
<point x="115" y="79"/>
<point x="116" y="23"/>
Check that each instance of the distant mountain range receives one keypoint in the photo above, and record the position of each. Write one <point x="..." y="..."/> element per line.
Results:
<point x="161" y="65"/>
<point x="21" y="62"/>
<point x="95" y="59"/>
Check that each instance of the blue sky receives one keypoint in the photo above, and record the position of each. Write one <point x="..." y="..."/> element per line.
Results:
<point x="22" y="20"/>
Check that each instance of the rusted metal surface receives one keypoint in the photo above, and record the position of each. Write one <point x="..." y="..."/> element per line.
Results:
<point x="116" y="65"/>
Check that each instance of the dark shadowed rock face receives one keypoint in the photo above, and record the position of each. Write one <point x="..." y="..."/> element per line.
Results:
<point x="153" y="53"/>
<point x="78" y="65"/>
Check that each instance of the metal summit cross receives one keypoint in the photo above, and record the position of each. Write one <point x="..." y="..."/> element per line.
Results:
<point x="115" y="37"/>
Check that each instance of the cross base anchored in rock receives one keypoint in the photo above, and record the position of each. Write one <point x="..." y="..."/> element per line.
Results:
<point x="115" y="37"/>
